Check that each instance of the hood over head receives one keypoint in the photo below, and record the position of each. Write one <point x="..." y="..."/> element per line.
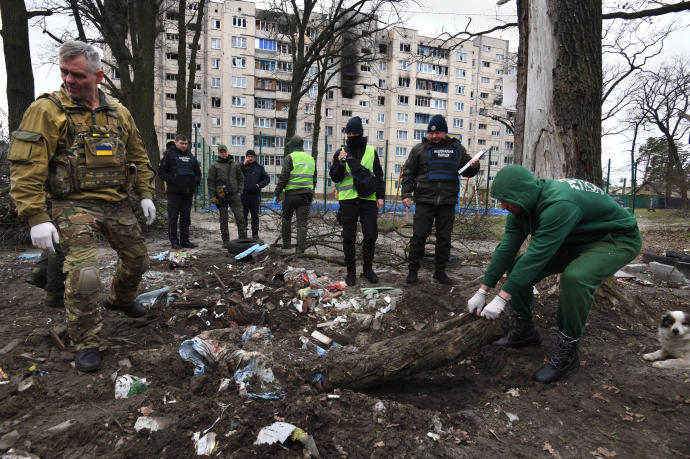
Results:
<point x="295" y="144"/>
<point x="517" y="185"/>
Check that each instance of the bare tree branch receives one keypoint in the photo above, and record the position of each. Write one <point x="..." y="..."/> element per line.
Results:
<point x="666" y="9"/>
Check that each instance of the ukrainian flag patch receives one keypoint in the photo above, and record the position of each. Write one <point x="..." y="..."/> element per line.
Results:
<point x="104" y="150"/>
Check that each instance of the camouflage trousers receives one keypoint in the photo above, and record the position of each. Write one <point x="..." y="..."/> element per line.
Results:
<point x="236" y="206"/>
<point x="79" y="223"/>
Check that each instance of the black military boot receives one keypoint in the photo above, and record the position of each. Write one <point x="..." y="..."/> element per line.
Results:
<point x="87" y="360"/>
<point x="411" y="277"/>
<point x="134" y="309"/>
<point x="38" y="275"/>
<point x="368" y="272"/>
<point x="255" y="235"/>
<point x="443" y="278"/>
<point x="563" y="360"/>
<point x="522" y="332"/>
<point x="54" y="300"/>
<point x="351" y="278"/>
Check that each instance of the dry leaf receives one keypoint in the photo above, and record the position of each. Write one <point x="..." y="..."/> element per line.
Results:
<point x="379" y="444"/>
<point x="600" y="397"/>
<point x="626" y="417"/>
<point x="553" y="452"/>
<point x="605" y="452"/>
<point x="146" y="410"/>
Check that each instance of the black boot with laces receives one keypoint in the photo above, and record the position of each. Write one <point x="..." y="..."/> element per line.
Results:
<point x="563" y="360"/>
<point x="522" y="332"/>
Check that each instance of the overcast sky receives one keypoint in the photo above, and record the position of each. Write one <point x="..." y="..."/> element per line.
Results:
<point x="430" y="18"/>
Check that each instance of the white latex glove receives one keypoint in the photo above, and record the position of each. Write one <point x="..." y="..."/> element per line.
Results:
<point x="149" y="210"/>
<point x="493" y="310"/>
<point x="477" y="302"/>
<point x="43" y="235"/>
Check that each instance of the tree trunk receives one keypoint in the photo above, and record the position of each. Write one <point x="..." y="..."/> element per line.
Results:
<point x="144" y="30"/>
<point x="20" y="76"/>
<point x="559" y="60"/>
<point x="408" y="354"/>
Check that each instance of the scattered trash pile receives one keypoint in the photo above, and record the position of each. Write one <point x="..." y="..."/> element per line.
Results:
<point x="675" y="273"/>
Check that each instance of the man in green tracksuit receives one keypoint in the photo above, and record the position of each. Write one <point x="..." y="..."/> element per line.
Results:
<point x="297" y="179"/>
<point x="576" y="230"/>
<point x="225" y="185"/>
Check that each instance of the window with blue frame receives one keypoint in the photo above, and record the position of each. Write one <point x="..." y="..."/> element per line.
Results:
<point x="281" y="123"/>
<point x="266" y="44"/>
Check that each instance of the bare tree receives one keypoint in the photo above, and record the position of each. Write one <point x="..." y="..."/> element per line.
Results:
<point x="185" y="81"/>
<point x="15" y="43"/>
<point x="312" y="26"/>
<point x="129" y="29"/>
<point x="661" y="97"/>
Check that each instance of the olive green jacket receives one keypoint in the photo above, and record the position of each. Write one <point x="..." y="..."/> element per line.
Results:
<point x="225" y="173"/>
<point x="43" y="130"/>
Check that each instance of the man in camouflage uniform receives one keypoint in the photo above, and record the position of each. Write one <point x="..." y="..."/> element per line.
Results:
<point x="225" y="184"/>
<point x="82" y="147"/>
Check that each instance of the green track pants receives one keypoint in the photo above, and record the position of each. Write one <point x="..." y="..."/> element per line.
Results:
<point x="585" y="268"/>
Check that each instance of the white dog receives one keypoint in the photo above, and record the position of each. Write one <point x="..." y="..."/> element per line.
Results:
<point x="674" y="337"/>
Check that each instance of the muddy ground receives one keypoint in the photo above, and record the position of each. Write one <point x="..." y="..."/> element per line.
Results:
<point x="615" y="405"/>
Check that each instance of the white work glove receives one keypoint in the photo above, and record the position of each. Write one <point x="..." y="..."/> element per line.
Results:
<point x="477" y="302"/>
<point x="149" y="210"/>
<point x="493" y="310"/>
<point x="43" y="235"/>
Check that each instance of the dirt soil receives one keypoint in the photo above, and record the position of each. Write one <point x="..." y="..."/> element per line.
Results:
<point x="615" y="404"/>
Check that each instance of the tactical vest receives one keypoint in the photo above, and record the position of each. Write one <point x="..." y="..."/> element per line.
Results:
<point x="346" y="188"/>
<point x="96" y="159"/>
<point x="443" y="163"/>
<point x="185" y="164"/>
<point x="302" y="174"/>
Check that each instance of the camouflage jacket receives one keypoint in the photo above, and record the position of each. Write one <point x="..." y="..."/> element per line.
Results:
<point x="44" y="130"/>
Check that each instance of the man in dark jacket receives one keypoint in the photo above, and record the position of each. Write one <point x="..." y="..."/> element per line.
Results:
<point x="225" y="183"/>
<point x="255" y="178"/>
<point x="576" y="230"/>
<point x="431" y="176"/>
<point x="349" y="160"/>
<point x="182" y="174"/>
<point x="297" y="179"/>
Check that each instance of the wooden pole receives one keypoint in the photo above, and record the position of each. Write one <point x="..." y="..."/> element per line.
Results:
<point x="397" y="195"/>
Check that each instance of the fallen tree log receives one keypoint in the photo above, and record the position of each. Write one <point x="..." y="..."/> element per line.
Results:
<point x="408" y="354"/>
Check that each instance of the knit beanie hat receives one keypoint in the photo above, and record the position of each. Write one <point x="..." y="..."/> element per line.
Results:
<point x="354" y="125"/>
<point x="437" y="123"/>
<point x="250" y="153"/>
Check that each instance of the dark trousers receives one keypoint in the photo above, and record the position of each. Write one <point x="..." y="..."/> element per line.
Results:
<point x="250" y="203"/>
<point x="299" y="204"/>
<point x="366" y="211"/>
<point x="179" y="206"/>
<point x="424" y="218"/>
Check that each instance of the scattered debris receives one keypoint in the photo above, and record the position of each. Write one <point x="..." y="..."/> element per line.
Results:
<point x="281" y="431"/>
<point x="254" y="378"/>
<point x="206" y="444"/>
<point x="152" y="424"/>
<point x="201" y="352"/>
<point x="127" y="386"/>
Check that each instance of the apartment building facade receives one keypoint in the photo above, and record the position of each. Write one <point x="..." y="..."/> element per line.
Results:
<point x="242" y="94"/>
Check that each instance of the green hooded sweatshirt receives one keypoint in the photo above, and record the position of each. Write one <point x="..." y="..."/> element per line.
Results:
<point x="565" y="212"/>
